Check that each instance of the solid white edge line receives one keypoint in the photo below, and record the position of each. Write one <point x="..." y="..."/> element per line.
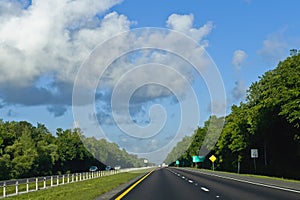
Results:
<point x="250" y="182"/>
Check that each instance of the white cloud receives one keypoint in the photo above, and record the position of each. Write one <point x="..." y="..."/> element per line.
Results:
<point x="124" y="66"/>
<point x="238" y="58"/>
<point x="184" y="24"/>
<point x="48" y="36"/>
<point x="275" y="47"/>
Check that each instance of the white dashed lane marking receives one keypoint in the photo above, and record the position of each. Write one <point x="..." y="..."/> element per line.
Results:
<point x="192" y="182"/>
<point x="204" y="189"/>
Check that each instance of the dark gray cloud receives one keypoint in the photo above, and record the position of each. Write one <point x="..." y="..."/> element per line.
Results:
<point x="59" y="94"/>
<point x="239" y="91"/>
<point x="56" y="98"/>
<point x="57" y="111"/>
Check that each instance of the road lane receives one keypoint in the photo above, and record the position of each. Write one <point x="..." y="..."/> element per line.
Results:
<point x="231" y="189"/>
<point x="173" y="183"/>
<point x="162" y="184"/>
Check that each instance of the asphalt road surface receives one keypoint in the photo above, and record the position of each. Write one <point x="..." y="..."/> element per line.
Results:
<point x="172" y="183"/>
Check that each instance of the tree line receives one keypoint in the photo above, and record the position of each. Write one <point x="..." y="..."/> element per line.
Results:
<point x="28" y="151"/>
<point x="268" y="121"/>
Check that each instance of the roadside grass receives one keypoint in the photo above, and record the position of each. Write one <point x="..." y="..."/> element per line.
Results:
<point x="88" y="189"/>
<point x="253" y="175"/>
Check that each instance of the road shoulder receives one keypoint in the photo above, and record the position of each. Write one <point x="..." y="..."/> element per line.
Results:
<point x="284" y="184"/>
<point x="117" y="190"/>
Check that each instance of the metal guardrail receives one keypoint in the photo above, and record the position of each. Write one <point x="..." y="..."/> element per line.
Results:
<point x="21" y="186"/>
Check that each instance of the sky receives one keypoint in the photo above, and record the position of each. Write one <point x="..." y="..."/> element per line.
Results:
<point x="142" y="74"/>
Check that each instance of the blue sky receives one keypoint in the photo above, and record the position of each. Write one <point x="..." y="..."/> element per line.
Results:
<point x="44" y="43"/>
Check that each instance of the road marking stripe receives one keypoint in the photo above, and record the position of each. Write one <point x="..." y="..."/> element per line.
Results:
<point x="250" y="182"/>
<point x="204" y="189"/>
<point x="131" y="187"/>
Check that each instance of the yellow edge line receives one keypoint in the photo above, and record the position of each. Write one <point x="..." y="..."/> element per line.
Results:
<point x="131" y="187"/>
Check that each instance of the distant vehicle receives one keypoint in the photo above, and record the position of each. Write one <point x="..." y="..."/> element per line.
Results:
<point x="164" y="165"/>
<point x="107" y="168"/>
<point x="93" y="168"/>
<point x="117" y="167"/>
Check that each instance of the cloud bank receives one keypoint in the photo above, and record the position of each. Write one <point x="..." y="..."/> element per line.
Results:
<point x="51" y="38"/>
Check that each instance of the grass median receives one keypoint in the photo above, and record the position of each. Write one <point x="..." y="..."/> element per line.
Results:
<point x="89" y="189"/>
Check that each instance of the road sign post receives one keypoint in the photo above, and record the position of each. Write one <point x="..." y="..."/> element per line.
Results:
<point x="254" y="155"/>
<point x="213" y="159"/>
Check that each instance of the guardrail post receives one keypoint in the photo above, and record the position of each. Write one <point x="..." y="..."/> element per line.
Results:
<point x="27" y="185"/>
<point x="72" y="178"/>
<point x="36" y="183"/>
<point x="80" y="177"/>
<point x="63" y="179"/>
<point x="4" y="189"/>
<point x="44" y="182"/>
<point x="17" y="187"/>
<point x="68" y="179"/>
<point x="57" y="180"/>
<point x="51" y="181"/>
<point x="92" y="174"/>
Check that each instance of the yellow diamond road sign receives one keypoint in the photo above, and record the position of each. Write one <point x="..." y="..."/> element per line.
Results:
<point x="212" y="158"/>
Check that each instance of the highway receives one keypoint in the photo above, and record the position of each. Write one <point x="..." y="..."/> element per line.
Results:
<point x="174" y="183"/>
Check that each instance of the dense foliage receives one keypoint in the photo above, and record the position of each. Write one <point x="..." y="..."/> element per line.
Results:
<point x="269" y="120"/>
<point x="27" y="151"/>
<point x="111" y="154"/>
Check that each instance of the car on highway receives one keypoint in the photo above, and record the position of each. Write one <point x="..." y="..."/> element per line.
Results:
<point x="117" y="167"/>
<point x="93" y="168"/>
<point x="107" y="168"/>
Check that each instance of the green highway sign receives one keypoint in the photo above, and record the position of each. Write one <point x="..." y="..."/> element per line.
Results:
<point x="198" y="159"/>
<point x="177" y="162"/>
